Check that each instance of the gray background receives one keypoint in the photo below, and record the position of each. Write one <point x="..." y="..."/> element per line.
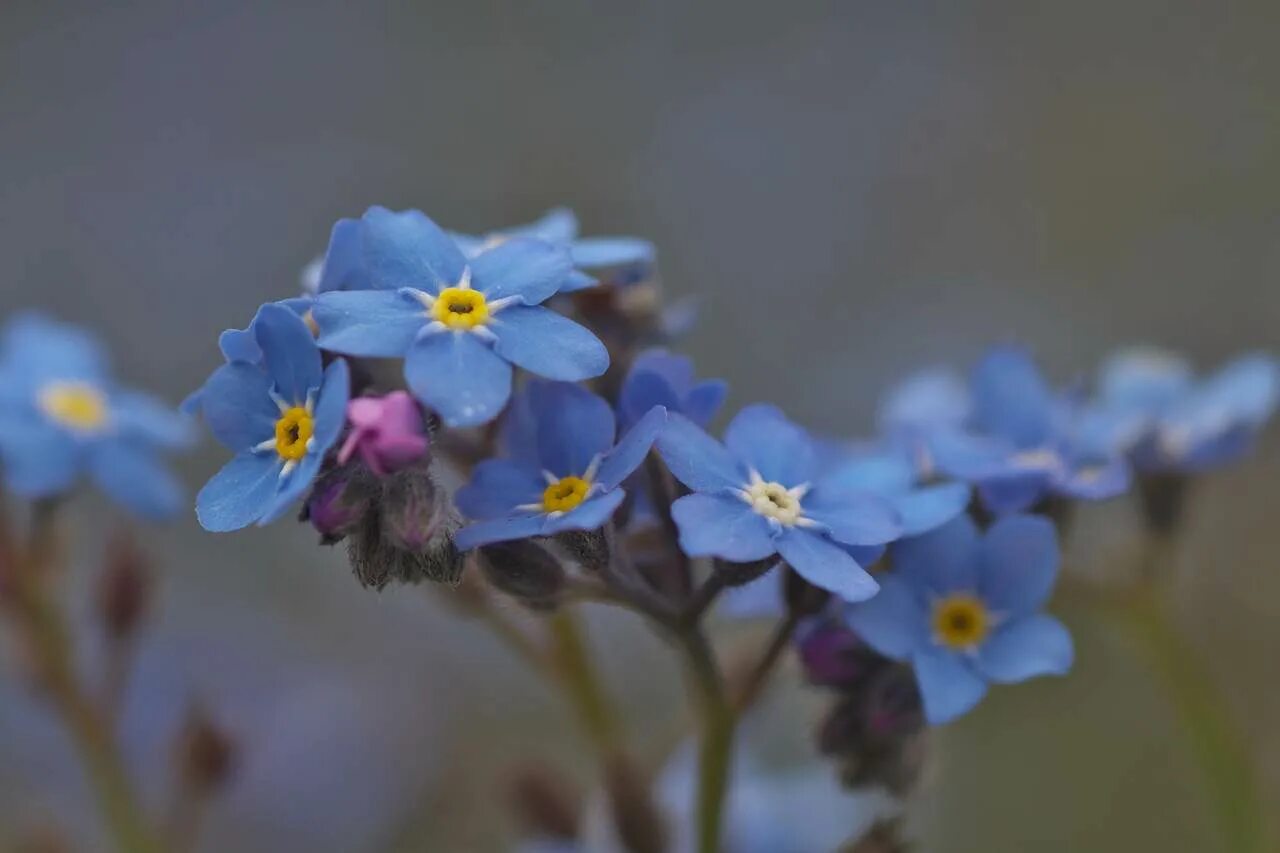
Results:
<point x="852" y="191"/>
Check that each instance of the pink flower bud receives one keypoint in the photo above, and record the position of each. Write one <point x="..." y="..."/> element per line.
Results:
<point x="387" y="432"/>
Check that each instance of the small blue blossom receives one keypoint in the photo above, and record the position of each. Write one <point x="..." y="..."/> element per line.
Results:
<point x="562" y="470"/>
<point x="892" y="477"/>
<point x="280" y="414"/>
<point x="62" y="417"/>
<point x="459" y="323"/>
<point x="1151" y="406"/>
<point x="964" y="608"/>
<point x="658" y="378"/>
<point x="613" y="260"/>
<point x="762" y="493"/>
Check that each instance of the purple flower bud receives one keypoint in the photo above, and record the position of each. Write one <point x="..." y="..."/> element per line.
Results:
<point x="834" y="656"/>
<point x="387" y="432"/>
<point x="338" y="503"/>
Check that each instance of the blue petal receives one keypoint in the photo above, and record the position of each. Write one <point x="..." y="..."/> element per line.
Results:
<point x="548" y="344"/>
<point x="132" y="475"/>
<point x="331" y="409"/>
<point x="704" y="400"/>
<point x="677" y="370"/>
<point x="237" y="406"/>
<point x="893" y="621"/>
<point x="1096" y="482"/>
<point x="38" y="460"/>
<point x="854" y="519"/>
<point x="498" y="530"/>
<point x="1144" y="377"/>
<point x="459" y="377"/>
<point x="588" y="515"/>
<point x="41" y="349"/>
<point x="1247" y="389"/>
<point x="574" y="426"/>
<point x="941" y="561"/>
<point x="1014" y="492"/>
<point x="948" y="686"/>
<point x="240" y="345"/>
<point x="497" y="486"/>
<point x="532" y="270"/>
<point x="698" y="460"/>
<point x="825" y="564"/>
<point x="145" y="417"/>
<point x="763" y="598"/>
<point x="641" y="391"/>
<point x="717" y="526"/>
<point x="882" y="474"/>
<point x="967" y="457"/>
<point x="375" y="323"/>
<point x="1019" y="564"/>
<point x="557" y="225"/>
<point x="1025" y="648"/>
<point x="924" y="509"/>
<point x="577" y="280"/>
<point x="240" y="493"/>
<point x="597" y="252"/>
<point x="1011" y="398"/>
<point x="781" y="451"/>
<point x="632" y="448"/>
<point x="518" y="432"/>
<point x="409" y="250"/>
<point x="343" y="267"/>
<point x="935" y="398"/>
<point x="292" y="487"/>
<point x="289" y="352"/>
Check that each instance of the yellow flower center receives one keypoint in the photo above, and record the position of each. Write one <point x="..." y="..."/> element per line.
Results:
<point x="773" y="500"/>
<point x="565" y="494"/>
<point x="76" y="405"/>
<point x="460" y="308"/>
<point x="960" y="621"/>
<point x="293" y="431"/>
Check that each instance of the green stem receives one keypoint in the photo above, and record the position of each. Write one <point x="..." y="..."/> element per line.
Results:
<point x="1218" y="746"/>
<point x="582" y="687"/>
<point x="716" y="750"/>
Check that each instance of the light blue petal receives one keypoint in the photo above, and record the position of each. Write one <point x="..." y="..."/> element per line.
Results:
<point x="932" y="399"/>
<point x="409" y="250"/>
<point x="41" y="348"/>
<point x="577" y="280"/>
<point x="532" y="270"/>
<point x="36" y="459"/>
<point x="1011" y="398"/>
<point x="343" y="266"/>
<point x="331" y="408"/>
<point x="518" y="432"/>
<point x="589" y="515"/>
<point x="781" y="451"/>
<point x="883" y="474"/>
<point x="240" y="493"/>
<point x="893" y="621"/>
<point x="498" y="530"/>
<point x="1026" y="648"/>
<point x="1096" y="482"/>
<point x="825" y="564"/>
<point x="497" y="486"/>
<point x="1144" y="377"/>
<point x="1014" y="492"/>
<point x="557" y="225"/>
<point x="641" y="391"/>
<point x="292" y="487"/>
<point x="924" y="509"/>
<point x="716" y="526"/>
<point x="854" y="519"/>
<point x="698" y="460"/>
<point x="548" y="344"/>
<point x="133" y="475"/>
<point x="598" y="252"/>
<point x="1247" y="389"/>
<point x="1018" y="564"/>
<point x="240" y="345"/>
<point x="374" y="323"/>
<point x="289" y="352"/>
<point x="459" y="377"/>
<point x="677" y="370"/>
<point x="948" y="686"/>
<point x="574" y="426"/>
<point x="237" y="405"/>
<point x="967" y="457"/>
<point x="632" y="449"/>
<point x="143" y="416"/>
<point x="704" y="400"/>
<point x="941" y="561"/>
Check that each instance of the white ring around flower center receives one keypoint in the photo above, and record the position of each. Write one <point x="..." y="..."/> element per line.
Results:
<point x="775" y="501"/>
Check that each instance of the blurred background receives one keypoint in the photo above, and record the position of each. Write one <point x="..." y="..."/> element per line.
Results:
<point x="852" y="191"/>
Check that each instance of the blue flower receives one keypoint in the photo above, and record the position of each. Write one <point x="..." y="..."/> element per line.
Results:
<point x="61" y="417"/>
<point x="562" y="470"/>
<point x="1151" y="406"/>
<point x="762" y="493"/>
<point x="964" y="608"/>
<point x="459" y="324"/>
<point x="658" y="378"/>
<point x="892" y="477"/>
<point x="279" y="414"/>
<point x="614" y="260"/>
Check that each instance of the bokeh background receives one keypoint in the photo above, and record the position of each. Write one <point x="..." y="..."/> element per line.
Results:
<point x="851" y="190"/>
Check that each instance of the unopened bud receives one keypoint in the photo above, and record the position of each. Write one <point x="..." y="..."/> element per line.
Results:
<point x="414" y="510"/>
<point x="524" y="570"/>
<point x="408" y="535"/>
<point x="339" y="501"/>
<point x="834" y="656"/>
<point x="124" y="588"/>
<point x="387" y="433"/>
<point x="204" y="754"/>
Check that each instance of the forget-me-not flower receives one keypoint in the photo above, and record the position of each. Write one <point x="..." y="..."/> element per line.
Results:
<point x="762" y="493"/>
<point x="614" y="260"/>
<point x="964" y="608"/>
<point x="459" y="323"/>
<point x="562" y="471"/>
<point x="659" y="378"/>
<point x="280" y="415"/>
<point x="1150" y="403"/>
<point x="62" y="417"/>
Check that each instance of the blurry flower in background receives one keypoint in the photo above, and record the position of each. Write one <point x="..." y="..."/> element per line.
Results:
<point x="659" y="378"/>
<point x="280" y="416"/>
<point x="62" y="417"/>
<point x="459" y="323"/>
<point x="963" y="607"/>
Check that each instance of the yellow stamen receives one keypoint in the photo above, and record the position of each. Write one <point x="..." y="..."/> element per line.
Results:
<point x="460" y="308"/>
<point x="293" y="431"/>
<point x="310" y="319"/>
<point x="75" y="405"/>
<point x="961" y="621"/>
<point x="565" y="494"/>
